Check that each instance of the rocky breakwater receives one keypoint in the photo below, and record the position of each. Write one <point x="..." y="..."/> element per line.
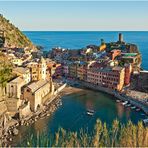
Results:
<point x="45" y="111"/>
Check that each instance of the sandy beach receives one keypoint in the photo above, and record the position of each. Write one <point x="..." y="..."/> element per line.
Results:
<point x="70" y="90"/>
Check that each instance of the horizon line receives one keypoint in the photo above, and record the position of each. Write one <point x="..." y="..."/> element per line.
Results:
<point x="87" y="30"/>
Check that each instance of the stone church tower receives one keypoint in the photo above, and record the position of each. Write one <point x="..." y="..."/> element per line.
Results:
<point x="42" y="69"/>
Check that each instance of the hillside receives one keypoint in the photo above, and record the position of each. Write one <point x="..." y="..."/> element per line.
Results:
<point x="13" y="36"/>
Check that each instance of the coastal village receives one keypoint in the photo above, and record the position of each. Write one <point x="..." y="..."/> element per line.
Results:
<point x="37" y="79"/>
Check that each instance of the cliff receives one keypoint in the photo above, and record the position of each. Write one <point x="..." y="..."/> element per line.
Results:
<point x="12" y="36"/>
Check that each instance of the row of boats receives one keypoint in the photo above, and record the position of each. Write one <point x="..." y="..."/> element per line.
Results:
<point x="127" y="104"/>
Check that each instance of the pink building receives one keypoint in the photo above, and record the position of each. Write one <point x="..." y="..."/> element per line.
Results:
<point x="112" y="78"/>
<point x="94" y="76"/>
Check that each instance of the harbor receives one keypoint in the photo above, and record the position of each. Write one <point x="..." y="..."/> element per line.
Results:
<point x="74" y="112"/>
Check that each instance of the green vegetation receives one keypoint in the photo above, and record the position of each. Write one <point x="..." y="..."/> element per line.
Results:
<point x="13" y="36"/>
<point x="5" y="70"/>
<point x="128" y="135"/>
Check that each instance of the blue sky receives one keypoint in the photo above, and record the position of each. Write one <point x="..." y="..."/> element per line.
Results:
<point x="77" y="15"/>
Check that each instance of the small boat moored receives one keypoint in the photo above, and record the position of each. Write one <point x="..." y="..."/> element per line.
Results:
<point x="124" y="103"/>
<point x="128" y="105"/>
<point x="90" y="112"/>
<point x="145" y="121"/>
<point x="117" y="101"/>
<point x="138" y="109"/>
<point x="133" y="107"/>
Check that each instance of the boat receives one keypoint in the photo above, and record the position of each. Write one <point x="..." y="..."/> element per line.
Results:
<point x="128" y="105"/>
<point x="142" y="114"/>
<point x="145" y="121"/>
<point x="90" y="112"/>
<point x="133" y="107"/>
<point x="138" y="109"/>
<point x="117" y="101"/>
<point x="124" y="103"/>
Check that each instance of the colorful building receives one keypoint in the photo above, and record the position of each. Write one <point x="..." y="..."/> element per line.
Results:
<point x="128" y="71"/>
<point x="114" y="53"/>
<point x="73" y="70"/>
<point x="112" y="78"/>
<point x="38" y="70"/>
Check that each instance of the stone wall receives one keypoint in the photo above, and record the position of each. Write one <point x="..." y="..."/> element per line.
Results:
<point x="24" y="110"/>
<point x="13" y="104"/>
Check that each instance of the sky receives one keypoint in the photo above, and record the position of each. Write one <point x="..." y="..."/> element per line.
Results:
<point x="77" y="15"/>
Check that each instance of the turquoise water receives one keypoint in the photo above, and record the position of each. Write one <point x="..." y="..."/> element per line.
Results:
<point x="80" y="39"/>
<point x="72" y="114"/>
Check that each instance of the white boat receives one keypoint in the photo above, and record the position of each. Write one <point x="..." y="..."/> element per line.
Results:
<point x="124" y="103"/>
<point x="90" y="112"/>
<point x="138" y="109"/>
<point x="128" y="105"/>
<point x="145" y="121"/>
<point x="142" y="114"/>
<point x="133" y="107"/>
<point x="117" y="101"/>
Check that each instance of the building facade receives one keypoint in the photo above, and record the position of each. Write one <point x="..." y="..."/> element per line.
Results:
<point x="38" y="70"/>
<point x="112" y="78"/>
<point x="23" y="73"/>
<point x="36" y="92"/>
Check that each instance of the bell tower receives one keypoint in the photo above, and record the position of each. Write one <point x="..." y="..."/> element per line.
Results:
<point x="42" y="69"/>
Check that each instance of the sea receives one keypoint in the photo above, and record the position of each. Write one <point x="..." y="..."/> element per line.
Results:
<point x="80" y="39"/>
<point x="72" y="115"/>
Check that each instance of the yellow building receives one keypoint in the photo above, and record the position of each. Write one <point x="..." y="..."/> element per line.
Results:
<point x="17" y="61"/>
<point x="102" y="47"/>
<point x="38" y="70"/>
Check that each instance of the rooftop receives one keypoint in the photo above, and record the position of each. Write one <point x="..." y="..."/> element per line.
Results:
<point x="129" y="54"/>
<point x="37" y="85"/>
<point x="17" y="80"/>
<point x="117" y="68"/>
<point x="21" y="70"/>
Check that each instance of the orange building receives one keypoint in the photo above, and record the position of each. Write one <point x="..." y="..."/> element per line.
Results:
<point x="115" y="53"/>
<point x="128" y="71"/>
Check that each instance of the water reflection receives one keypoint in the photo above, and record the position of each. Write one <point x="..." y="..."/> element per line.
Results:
<point x="120" y="110"/>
